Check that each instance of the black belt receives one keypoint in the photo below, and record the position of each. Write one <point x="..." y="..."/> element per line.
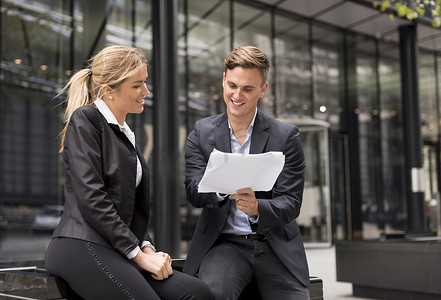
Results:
<point x="254" y="237"/>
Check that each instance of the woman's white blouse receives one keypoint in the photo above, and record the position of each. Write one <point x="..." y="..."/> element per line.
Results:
<point x="110" y="117"/>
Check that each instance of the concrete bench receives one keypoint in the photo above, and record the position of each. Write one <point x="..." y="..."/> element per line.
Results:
<point x="36" y="283"/>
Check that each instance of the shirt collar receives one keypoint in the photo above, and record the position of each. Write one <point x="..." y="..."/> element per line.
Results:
<point x="249" y="127"/>
<point x="108" y="114"/>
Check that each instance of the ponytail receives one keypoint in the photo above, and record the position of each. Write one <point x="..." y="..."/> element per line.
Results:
<point x="79" y="94"/>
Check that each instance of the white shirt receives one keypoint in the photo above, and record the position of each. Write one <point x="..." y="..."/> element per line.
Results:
<point x="238" y="222"/>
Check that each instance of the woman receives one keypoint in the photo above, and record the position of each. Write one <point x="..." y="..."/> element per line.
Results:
<point x="101" y="246"/>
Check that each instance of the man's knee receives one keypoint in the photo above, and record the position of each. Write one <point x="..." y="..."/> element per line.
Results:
<point x="202" y="293"/>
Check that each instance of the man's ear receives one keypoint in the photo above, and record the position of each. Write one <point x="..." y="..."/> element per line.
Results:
<point x="263" y="89"/>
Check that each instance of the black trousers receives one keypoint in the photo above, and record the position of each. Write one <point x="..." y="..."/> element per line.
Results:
<point x="95" y="272"/>
<point x="234" y="262"/>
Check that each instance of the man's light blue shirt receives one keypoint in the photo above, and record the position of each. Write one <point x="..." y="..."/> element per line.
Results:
<point x="238" y="222"/>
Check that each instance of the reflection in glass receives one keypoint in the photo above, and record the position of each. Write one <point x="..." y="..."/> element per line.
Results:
<point x="392" y="139"/>
<point x="203" y="42"/>
<point x="326" y="60"/>
<point x="314" y="218"/>
<point x="35" y="54"/>
<point x="338" y="153"/>
<point x="427" y="96"/>
<point x="293" y="66"/>
<point x="202" y="47"/>
<point x="431" y="194"/>
<point x="369" y="145"/>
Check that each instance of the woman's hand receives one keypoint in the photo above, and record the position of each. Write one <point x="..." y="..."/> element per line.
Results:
<point x="157" y="263"/>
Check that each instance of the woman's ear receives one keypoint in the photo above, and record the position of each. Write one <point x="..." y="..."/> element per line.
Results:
<point x="107" y="92"/>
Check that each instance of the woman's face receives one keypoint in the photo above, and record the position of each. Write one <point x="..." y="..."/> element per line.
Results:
<point x="129" y="97"/>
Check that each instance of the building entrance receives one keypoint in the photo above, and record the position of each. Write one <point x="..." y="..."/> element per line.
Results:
<point x="315" y="215"/>
<point x="431" y="194"/>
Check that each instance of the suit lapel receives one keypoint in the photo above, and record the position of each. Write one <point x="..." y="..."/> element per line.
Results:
<point x="259" y="137"/>
<point x="122" y="135"/>
<point x="222" y="135"/>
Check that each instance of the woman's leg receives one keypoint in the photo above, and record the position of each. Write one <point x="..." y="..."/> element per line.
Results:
<point x="96" y="272"/>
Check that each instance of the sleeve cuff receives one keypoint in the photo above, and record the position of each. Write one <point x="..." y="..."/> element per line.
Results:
<point x="254" y="219"/>
<point x="221" y="197"/>
<point x="133" y="253"/>
<point x="147" y="244"/>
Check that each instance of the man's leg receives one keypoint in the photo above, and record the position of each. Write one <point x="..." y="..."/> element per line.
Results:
<point x="226" y="269"/>
<point x="180" y="286"/>
<point x="273" y="279"/>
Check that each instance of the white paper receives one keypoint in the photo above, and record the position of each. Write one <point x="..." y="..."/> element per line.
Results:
<point x="228" y="172"/>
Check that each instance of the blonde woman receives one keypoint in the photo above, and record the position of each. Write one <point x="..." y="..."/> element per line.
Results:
<point x="101" y="246"/>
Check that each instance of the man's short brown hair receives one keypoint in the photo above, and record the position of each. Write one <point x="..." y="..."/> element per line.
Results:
<point x="248" y="57"/>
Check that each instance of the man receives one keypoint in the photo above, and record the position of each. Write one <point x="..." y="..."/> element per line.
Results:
<point x="248" y="235"/>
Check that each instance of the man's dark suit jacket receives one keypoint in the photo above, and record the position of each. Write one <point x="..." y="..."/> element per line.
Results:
<point x="102" y="203"/>
<point x="278" y="208"/>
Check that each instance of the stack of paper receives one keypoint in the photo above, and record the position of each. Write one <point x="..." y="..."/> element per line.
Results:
<point x="228" y="172"/>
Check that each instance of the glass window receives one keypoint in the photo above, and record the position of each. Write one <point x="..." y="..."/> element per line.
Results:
<point x="338" y="152"/>
<point x="429" y="105"/>
<point x="326" y="66"/>
<point x="438" y="89"/>
<point x="203" y="45"/>
<point x="427" y="96"/>
<point x="35" y="52"/>
<point x="203" y="42"/>
<point x="314" y="219"/>
<point x="392" y="138"/>
<point x="292" y="67"/>
<point x="367" y="111"/>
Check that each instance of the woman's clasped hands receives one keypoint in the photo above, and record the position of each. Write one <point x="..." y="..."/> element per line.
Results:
<point x="157" y="263"/>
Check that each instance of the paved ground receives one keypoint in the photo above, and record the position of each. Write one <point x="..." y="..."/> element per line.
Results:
<point x="322" y="264"/>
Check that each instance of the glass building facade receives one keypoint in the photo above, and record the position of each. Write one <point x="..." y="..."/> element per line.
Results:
<point x="341" y="88"/>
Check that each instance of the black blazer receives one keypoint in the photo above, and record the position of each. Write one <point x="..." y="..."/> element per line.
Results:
<point x="102" y="203"/>
<point x="278" y="208"/>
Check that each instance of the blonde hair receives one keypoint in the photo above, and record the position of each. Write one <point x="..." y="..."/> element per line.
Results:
<point x="248" y="57"/>
<point x="109" y="67"/>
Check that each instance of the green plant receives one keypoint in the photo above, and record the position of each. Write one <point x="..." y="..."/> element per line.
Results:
<point x="412" y="10"/>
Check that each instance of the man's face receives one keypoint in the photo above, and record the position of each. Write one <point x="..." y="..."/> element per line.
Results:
<point x="242" y="90"/>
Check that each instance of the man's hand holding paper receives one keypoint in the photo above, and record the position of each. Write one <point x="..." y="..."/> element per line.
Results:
<point x="246" y="201"/>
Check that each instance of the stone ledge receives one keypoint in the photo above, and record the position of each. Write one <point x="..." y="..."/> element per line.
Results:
<point x="391" y="267"/>
<point x="36" y="283"/>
